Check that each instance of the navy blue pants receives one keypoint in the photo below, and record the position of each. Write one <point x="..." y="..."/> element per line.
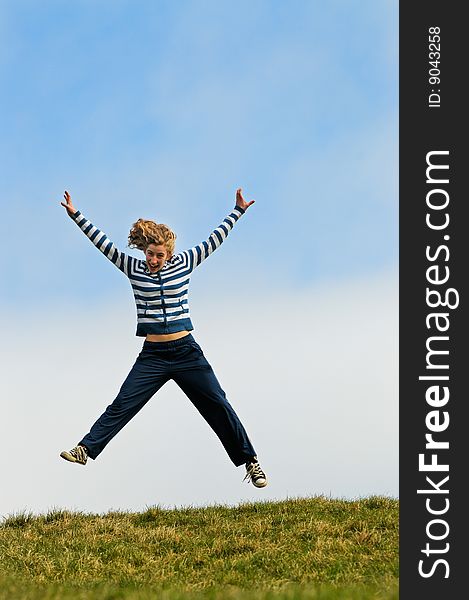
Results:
<point x="183" y="361"/>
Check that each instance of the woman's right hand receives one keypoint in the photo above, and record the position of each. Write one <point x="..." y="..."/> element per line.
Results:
<point x="68" y="203"/>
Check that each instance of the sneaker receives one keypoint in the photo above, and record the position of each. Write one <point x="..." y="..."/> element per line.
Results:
<point x="255" y="474"/>
<point x="78" y="455"/>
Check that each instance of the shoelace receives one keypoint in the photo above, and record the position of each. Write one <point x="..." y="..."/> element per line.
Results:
<point x="79" y="452"/>
<point x="254" y="472"/>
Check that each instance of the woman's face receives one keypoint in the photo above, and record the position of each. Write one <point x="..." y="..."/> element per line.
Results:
<point x="156" y="256"/>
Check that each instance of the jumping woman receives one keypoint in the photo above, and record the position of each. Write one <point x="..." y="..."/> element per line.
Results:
<point x="160" y="285"/>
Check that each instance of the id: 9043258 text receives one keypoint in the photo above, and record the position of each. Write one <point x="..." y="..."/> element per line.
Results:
<point x="434" y="55"/>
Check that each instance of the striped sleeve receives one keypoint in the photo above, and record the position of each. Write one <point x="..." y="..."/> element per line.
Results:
<point x="199" y="253"/>
<point x="103" y="243"/>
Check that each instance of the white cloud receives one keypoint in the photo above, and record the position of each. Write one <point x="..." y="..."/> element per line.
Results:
<point x="313" y="377"/>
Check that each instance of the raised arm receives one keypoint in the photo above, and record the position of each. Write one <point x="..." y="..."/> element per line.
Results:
<point x="99" y="238"/>
<point x="199" y="253"/>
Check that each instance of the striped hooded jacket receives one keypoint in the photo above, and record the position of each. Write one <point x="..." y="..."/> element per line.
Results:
<point x="161" y="298"/>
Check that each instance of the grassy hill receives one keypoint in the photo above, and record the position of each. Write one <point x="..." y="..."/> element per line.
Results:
<point x="303" y="548"/>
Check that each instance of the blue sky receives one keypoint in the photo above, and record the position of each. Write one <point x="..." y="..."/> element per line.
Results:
<point x="160" y="110"/>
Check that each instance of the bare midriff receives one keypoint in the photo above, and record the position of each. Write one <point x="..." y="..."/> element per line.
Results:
<point x="165" y="337"/>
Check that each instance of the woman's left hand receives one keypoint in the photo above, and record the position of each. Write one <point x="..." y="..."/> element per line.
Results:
<point x="240" y="201"/>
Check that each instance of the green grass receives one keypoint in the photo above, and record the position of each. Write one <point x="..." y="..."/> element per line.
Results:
<point x="305" y="548"/>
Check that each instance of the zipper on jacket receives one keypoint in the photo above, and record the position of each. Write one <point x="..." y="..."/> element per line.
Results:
<point x="163" y="306"/>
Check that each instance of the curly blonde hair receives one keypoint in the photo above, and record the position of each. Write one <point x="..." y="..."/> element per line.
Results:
<point x="144" y="233"/>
